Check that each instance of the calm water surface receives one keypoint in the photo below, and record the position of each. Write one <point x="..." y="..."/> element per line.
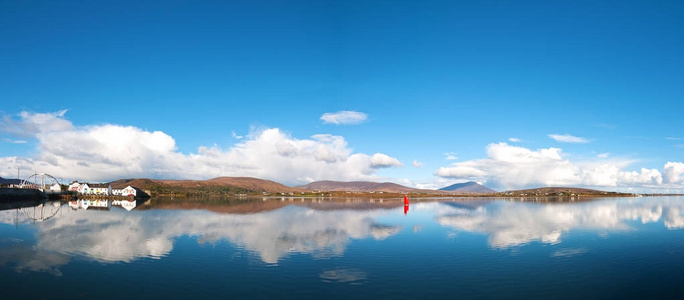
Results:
<point x="343" y="248"/>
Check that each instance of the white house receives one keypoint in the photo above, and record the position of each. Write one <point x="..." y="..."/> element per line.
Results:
<point x="127" y="191"/>
<point x="73" y="187"/>
<point x="56" y="188"/>
<point x="90" y="188"/>
<point x="95" y="189"/>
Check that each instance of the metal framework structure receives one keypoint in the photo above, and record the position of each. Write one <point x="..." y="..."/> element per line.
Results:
<point x="42" y="182"/>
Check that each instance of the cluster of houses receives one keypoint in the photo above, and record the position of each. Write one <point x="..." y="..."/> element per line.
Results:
<point x="85" y="188"/>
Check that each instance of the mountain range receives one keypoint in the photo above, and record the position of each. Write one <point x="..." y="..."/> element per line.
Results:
<point x="9" y="181"/>
<point x="250" y="185"/>
<point x="359" y="186"/>
<point x="236" y="185"/>
<point x="468" y="187"/>
<point x="388" y="187"/>
<point x="219" y="184"/>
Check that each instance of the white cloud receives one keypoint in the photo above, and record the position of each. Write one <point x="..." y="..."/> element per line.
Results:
<point x="417" y="164"/>
<point x="673" y="138"/>
<point x="514" y="140"/>
<point x="15" y="141"/>
<point x="31" y="124"/>
<point x="603" y="155"/>
<point x="379" y="160"/>
<point x="672" y="172"/>
<point x="426" y="186"/>
<point x="517" y="167"/>
<point x="107" y="152"/>
<point x="566" y="138"/>
<point x="450" y="156"/>
<point x="236" y="136"/>
<point x="344" y="118"/>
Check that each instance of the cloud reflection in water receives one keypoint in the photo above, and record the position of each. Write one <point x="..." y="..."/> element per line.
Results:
<point x="509" y="224"/>
<point x="120" y="236"/>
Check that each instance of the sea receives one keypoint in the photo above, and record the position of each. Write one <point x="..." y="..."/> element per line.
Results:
<point x="344" y="248"/>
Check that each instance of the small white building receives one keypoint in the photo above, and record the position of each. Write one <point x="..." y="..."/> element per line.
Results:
<point x="56" y="188"/>
<point x="74" y="186"/>
<point x="127" y="191"/>
<point x="95" y="189"/>
<point x="90" y="188"/>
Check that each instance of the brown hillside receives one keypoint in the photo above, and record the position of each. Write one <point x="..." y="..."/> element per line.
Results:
<point x="559" y="190"/>
<point x="253" y="184"/>
<point x="362" y="186"/>
<point x="141" y="183"/>
<point x="245" y="183"/>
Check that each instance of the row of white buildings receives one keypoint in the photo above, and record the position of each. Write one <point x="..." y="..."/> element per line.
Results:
<point x="85" y="188"/>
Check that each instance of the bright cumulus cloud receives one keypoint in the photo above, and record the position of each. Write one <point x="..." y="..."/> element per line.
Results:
<point x="518" y="167"/>
<point x="566" y="138"/>
<point x="379" y="160"/>
<point x="106" y="152"/>
<point x="344" y="117"/>
<point x="31" y="124"/>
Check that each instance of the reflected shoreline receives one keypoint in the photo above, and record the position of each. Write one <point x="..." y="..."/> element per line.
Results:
<point x="275" y="228"/>
<point x="250" y="205"/>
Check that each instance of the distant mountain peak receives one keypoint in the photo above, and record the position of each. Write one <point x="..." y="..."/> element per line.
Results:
<point x="468" y="187"/>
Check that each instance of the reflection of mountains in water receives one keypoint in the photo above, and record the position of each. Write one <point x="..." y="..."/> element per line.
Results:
<point x="468" y="205"/>
<point x="256" y="205"/>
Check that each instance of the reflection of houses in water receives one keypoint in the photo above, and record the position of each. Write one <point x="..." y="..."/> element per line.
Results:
<point x="126" y="204"/>
<point x="102" y="204"/>
<point x="90" y="204"/>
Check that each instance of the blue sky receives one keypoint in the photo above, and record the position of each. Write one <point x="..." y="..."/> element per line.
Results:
<point x="446" y="91"/>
